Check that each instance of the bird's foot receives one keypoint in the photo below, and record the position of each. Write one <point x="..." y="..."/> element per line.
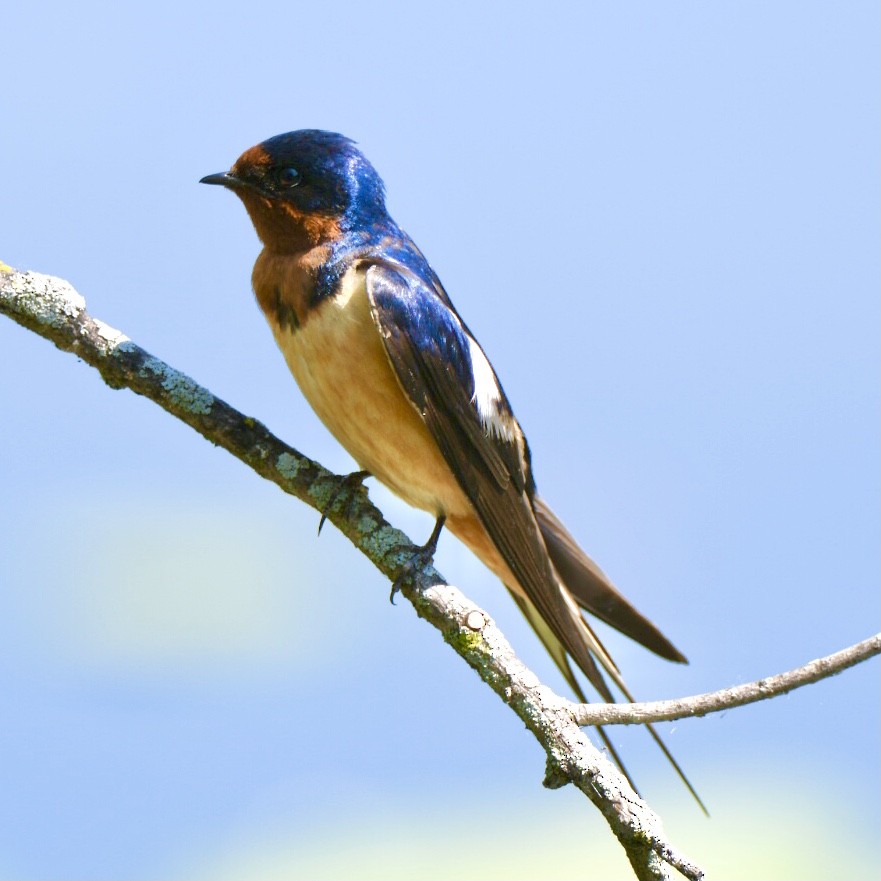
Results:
<point x="420" y="559"/>
<point x="348" y="485"/>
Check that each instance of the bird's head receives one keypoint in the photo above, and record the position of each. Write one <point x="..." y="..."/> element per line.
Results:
<point x="305" y="188"/>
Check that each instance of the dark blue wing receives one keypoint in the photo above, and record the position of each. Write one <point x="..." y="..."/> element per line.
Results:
<point x="432" y="352"/>
<point x="440" y="370"/>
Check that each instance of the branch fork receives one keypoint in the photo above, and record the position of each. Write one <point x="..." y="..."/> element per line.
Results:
<point x="53" y="309"/>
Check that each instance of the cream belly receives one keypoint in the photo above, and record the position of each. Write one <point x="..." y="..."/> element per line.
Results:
<point x="340" y="364"/>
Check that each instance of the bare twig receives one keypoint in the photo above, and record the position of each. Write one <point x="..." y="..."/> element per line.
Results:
<point x="726" y="698"/>
<point x="52" y="308"/>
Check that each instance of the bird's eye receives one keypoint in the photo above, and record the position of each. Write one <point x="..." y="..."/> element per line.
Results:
<point x="288" y="177"/>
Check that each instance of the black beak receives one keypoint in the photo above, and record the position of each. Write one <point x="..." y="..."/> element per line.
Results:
<point x="223" y="179"/>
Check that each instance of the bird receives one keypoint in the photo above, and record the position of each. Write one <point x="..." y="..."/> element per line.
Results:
<point x="390" y="367"/>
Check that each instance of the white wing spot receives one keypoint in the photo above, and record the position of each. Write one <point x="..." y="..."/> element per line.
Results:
<point x="486" y="395"/>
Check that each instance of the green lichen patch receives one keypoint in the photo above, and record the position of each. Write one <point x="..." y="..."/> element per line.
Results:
<point x="185" y="394"/>
<point x="288" y="466"/>
<point x="48" y="300"/>
<point x="466" y="641"/>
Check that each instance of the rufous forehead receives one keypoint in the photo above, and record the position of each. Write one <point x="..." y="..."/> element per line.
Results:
<point x="252" y="157"/>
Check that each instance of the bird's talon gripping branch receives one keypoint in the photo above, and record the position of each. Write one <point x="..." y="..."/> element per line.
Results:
<point x="349" y="484"/>
<point x="420" y="559"/>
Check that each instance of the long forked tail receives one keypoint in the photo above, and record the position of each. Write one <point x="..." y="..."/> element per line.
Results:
<point x="593" y="590"/>
<point x="587" y="585"/>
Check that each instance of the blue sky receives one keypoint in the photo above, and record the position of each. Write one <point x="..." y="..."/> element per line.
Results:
<point x="660" y="220"/>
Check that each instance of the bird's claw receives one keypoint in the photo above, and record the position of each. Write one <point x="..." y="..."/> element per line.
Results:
<point x="348" y="485"/>
<point x="421" y="558"/>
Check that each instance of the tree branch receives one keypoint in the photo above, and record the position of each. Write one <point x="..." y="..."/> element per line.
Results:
<point x="53" y="309"/>
<point x="726" y="698"/>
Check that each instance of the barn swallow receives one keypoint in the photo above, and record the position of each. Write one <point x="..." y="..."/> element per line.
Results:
<point x="393" y="371"/>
